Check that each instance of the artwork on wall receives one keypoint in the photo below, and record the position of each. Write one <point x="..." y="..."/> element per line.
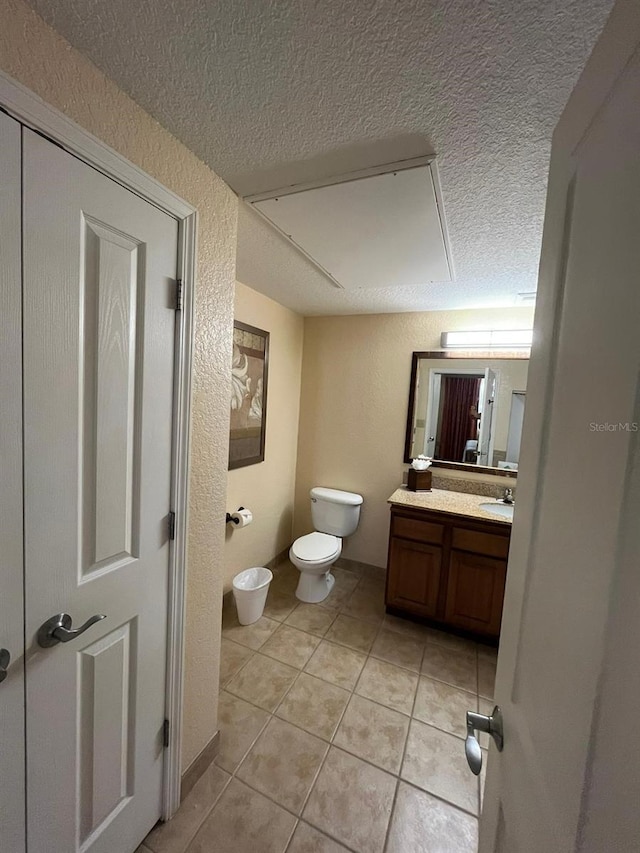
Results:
<point x="248" y="395"/>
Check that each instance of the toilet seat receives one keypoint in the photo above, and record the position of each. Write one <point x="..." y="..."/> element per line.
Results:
<point x="316" y="547"/>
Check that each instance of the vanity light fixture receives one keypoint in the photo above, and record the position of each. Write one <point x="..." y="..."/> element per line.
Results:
<point x="487" y="340"/>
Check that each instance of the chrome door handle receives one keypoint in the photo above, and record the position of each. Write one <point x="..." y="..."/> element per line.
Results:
<point x="492" y="725"/>
<point x="5" y="660"/>
<point x="58" y="629"/>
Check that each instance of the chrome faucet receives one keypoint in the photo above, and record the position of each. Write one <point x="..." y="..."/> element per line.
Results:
<point x="507" y="497"/>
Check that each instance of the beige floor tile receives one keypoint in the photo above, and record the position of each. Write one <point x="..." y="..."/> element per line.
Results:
<point x="336" y="600"/>
<point x="421" y="822"/>
<point x="486" y="676"/>
<point x="252" y="636"/>
<point x="244" y="821"/>
<point x="388" y="684"/>
<point x="280" y="604"/>
<point x="263" y="681"/>
<point x="346" y="580"/>
<point x="354" y="633"/>
<point x="373" y="732"/>
<point x="398" y="649"/>
<point x="435" y="761"/>
<point x="451" y="641"/>
<point x="306" y="839"/>
<point x="143" y="849"/>
<point x="290" y="646"/>
<point x="314" y="705"/>
<point x="460" y="669"/>
<point x="366" y="602"/>
<point x="232" y="658"/>
<point x="175" y="835"/>
<point x="336" y="664"/>
<point x="489" y="652"/>
<point x="352" y="801"/>
<point x="240" y="724"/>
<point x="283" y="764"/>
<point x="443" y="706"/>
<point x="406" y="627"/>
<point x="311" y="618"/>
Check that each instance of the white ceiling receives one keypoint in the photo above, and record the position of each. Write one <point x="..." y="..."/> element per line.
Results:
<point x="276" y="92"/>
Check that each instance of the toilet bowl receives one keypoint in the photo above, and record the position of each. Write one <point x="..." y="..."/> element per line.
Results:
<point x="335" y="515"/>
<point x="313" y="555"/>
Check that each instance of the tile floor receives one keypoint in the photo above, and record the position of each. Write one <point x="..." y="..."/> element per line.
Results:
<point x="341" y="730"/>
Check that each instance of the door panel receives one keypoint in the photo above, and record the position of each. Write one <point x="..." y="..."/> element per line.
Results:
<point x="12" y="813"/>
<point x="576" y="535"/>
<point x="99" y="272"/>
<point x="414" y="576"/>
<point x="474" y="592"/>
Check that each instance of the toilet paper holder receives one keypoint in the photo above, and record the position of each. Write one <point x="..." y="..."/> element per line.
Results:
<point x="233" y="520"/>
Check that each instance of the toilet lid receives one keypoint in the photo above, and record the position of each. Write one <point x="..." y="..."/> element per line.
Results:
<point x="316" y="546"/>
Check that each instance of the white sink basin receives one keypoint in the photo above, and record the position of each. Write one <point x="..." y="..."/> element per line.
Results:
<point x="503" y="510"/>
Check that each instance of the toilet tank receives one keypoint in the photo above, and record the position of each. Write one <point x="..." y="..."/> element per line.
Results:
<point x="334" y="511"/>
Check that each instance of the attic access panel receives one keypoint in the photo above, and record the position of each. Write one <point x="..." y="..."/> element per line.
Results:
<point x="378" y="231"/>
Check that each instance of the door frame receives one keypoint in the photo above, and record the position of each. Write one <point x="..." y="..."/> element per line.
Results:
<point x="30" y="110"/>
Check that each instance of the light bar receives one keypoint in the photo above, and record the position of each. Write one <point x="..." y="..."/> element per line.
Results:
<point x="494" y="339"/>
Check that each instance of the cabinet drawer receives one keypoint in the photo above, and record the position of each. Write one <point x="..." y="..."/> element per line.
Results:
<point x="413" y="528"/>
<point x="480" y="543"/>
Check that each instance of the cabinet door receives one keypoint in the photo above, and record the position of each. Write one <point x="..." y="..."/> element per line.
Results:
<point x="414" y="576"/>
<point x="475" y="592"/>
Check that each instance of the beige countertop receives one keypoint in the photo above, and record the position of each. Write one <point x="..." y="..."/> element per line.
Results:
<point x="442" y="500"/>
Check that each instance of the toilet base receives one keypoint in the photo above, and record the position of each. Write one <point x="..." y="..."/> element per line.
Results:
<point x="314" y="588"/>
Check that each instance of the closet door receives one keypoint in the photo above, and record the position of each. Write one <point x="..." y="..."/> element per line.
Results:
<point x="12" y="813"/>
<point x="99" y="320"/>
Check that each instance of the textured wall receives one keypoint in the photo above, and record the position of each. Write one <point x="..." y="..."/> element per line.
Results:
<point x="353" y="411"/>
<point x="36" y="56"/>
<point x="268" y="487"/>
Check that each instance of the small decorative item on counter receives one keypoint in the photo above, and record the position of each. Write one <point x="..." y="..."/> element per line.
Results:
<point x="421" y="463"/>
<point x="418" y="476"/>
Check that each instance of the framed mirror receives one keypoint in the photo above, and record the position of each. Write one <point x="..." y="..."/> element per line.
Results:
<point x="466" y="409"/>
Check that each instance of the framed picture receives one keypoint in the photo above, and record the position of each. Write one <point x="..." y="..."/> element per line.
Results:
<point x="248" y="395"/>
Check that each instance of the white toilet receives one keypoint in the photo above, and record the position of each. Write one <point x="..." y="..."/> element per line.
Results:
<point x="335" y="515"/>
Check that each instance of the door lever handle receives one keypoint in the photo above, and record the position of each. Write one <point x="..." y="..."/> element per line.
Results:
<point x="58" y="629"/>
<point x="5" y="660"/>
<point x="492" y="725"/>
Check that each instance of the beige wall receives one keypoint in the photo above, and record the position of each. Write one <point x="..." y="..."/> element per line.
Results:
<point x="36" y="56"/>
<point x="267" y="488"/>
<point x="355" y="390"/>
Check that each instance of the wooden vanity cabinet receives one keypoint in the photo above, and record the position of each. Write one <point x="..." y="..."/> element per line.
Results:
<point x="448" y="569"/>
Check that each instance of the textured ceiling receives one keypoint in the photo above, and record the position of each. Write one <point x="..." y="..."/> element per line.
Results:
<point x="270" y="93"/>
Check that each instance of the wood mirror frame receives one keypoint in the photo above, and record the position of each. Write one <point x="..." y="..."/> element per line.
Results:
<point x="489" y="355"/>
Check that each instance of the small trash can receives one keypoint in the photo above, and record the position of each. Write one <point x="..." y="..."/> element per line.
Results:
<point x="250" y="590"/>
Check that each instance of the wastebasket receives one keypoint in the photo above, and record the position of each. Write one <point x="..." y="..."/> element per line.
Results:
<point x="250" y="590"/>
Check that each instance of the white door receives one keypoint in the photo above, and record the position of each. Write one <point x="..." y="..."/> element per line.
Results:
<point x="12" y="814"/>
<point x="568" y="676"/>
<point x="99" y="280"/>
<point x="488" y="397"/>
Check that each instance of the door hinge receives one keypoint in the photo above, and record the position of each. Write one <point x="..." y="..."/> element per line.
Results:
<point x="165" y="734"/>
<point x="171" y="522"/>
<point x="178" y="294"/>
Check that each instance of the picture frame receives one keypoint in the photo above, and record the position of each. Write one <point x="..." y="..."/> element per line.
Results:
<point x="248" y="403"/>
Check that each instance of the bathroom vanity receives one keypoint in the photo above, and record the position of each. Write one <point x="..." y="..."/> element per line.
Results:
<point x="447" y="560"/>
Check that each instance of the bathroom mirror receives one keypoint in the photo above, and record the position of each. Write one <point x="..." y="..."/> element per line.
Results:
<point x="466" y="409"/>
